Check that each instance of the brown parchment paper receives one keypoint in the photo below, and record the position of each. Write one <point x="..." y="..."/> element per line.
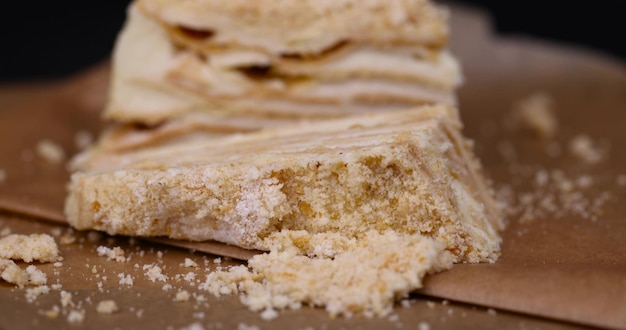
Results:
<point x="567" y="268"/>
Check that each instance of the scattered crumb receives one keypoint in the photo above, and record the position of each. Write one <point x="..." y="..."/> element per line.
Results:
<point x="154" y="273"/>
<point x="52" y="313"/>
<point x="66" y="299"/>
<point x="50" y="151"/>
<point x="445" y="303"/>
<point x="76" y="316"/>
<point x="190" y="277"/>
<point x="194" y="326"/>
<point x="40" y="247"/>
<point x="67" y="239"/>
<point x="536" y="112"/>
<point x="166" y="287"/>
<point x="492" y="311"/>
<point x="115" y="253"/>
<point x="36" y="276"/>
<point x="32" y="293"/>
<point x="430" y="304"/>
<point x="424" y="326"/>
<point x="125" y="279"/>
<point x="555" y="194"/>
<point x="56" y="231"/>
<point x="107" y="307"/>
<point x="12" y="273"/>
<point x="584" y="148"/>
<point x="269" y="314"/>
<point x="182" y="296"/>
<point x="243" y="326"/>
<point x="189" y="263"/>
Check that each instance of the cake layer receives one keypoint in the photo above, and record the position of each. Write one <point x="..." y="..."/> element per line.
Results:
<point x="162" y="71"/>
<point x="408" y="171"/>
<point x="308" y="26"/>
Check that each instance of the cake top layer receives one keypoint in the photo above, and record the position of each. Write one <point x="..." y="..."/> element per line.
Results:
<point x="270" y="144"/>
<point x="304" y="26"/>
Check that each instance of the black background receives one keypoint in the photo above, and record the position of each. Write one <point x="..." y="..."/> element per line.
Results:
<point x="51" y="39"/>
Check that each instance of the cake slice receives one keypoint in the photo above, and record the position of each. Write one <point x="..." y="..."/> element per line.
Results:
<point x="224" y="62"/>
<point x="410" y="172"/>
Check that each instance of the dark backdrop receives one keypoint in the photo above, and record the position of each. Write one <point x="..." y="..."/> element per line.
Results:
<point x="49" y="39"/>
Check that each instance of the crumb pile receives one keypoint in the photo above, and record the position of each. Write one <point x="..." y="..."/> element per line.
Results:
<point x="35" y="247"/>
<point x="365" y="277"/>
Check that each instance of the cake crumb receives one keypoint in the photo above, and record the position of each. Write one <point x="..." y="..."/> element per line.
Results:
<point x="189" y="263"/>
<point x="190" y="277"/>
<point x="76" y="316"/>
<point x="194" y="326"/>
<point x="536" y="112"/>
<point x="50" y="151"/>
<point x="182" y="296"/>
<point x="125" y="279"/>
<point x="584" y="148"/>
<point x="430" y="304"/>
<point x="492" y="311"/>
<point x="269" y="314"/>
<point x="244" y="326"/>
<point x="287" y="277"/>
<point x="53" y="312"/>
<point x="424" y="326"/>
<point x="115" y="253"/>
<point x="33" y="293"/>
<point x="166" y="287"/>
<point x="12" y="273"/>
<point x="66" y="299"/>
<point x="154" y="273"/>
<point x="36" y="276"/>
<point x="67" y="239"/>
<point x="39" y="247"/>
<point x="107" y="307"/>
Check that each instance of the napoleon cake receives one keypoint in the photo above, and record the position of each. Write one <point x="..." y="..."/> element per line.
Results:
<point x="410" y="172"/>
<point x="212" y="67"/>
